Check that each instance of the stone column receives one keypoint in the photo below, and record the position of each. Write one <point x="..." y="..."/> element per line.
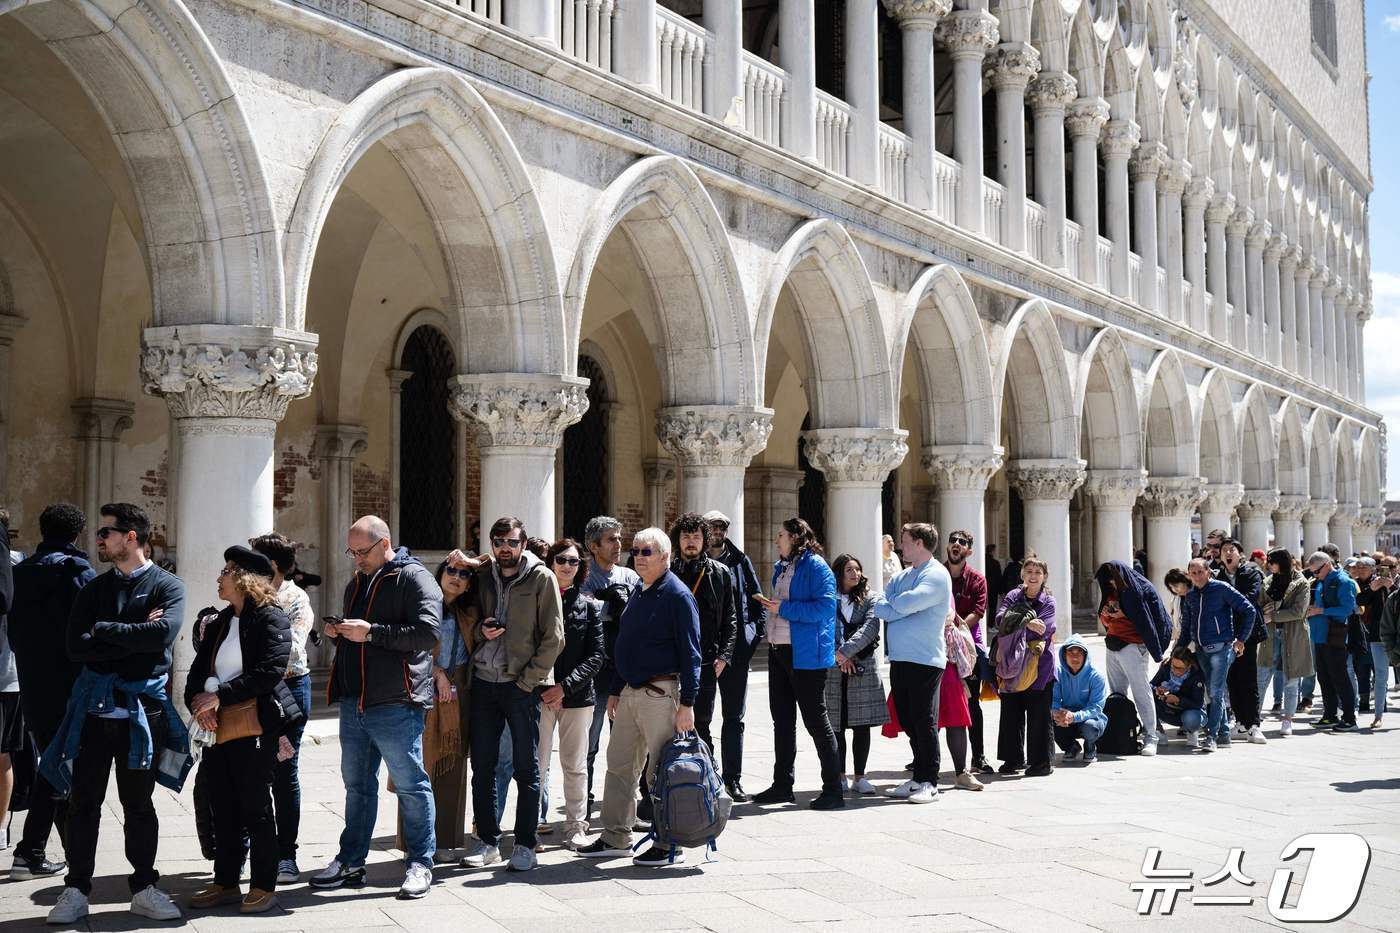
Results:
<point x="10" y="324"/>
<point x="1050" y="93"/>
<point x="1194" y="200"/>
<point x="917" y="20"/>
<point x="1351" y="316"/>
<point x="856" y="461"/>
<point x="1009" y="70"/>
<point x="1120" y="138"/>
<point x="1114" y="493"/>
<point x="227" y="387"/>
<point x="1170" y="248"/>
<point x="968" y="35"/>
<point x="1340" y="527"/>
<point x="1315" y="532"/>
<point x="1168" y="504"/>
<point x="713" y="445"/>
<point x="537" y="19"/>
<point x="1288" y="310"/>
<point x="1235" y="232"/>
<point x="724" y="99"/>
<point x="634" y="48"/>
<point x="519" y="421"/>
<point x="798" y="57"/>
<point x="1288" y="523"/>
<point x="770" y="498"/>
<point x="1319" y="333"/>
<point x="1333" y="338"/>
<point x="1085" y="119"/>
<point x="1274" y="331"/>
<point x="1147" y="163"/>
<point x="960" y="475"/>
<point x="100" y="424"/>
<point x="1302" y="310"/>
<point x="1217" y="270"/>
<point x="1367" y="526"/>
<point x="1046" y="487"/>
<point x="1256" y="510"/>
<point x="657" y="475"/>
<point x="1218" y="506"/>
<point x="863" y="91"/>
<point x="397" y="377"/>
<point x="337" y="447"/>
<point x="1254" y="243"/>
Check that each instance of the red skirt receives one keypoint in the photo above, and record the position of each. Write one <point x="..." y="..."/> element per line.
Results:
<point x="952" y="701"/>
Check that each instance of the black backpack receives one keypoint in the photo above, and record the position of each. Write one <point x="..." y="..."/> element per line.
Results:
<point x="1123" y="735"/>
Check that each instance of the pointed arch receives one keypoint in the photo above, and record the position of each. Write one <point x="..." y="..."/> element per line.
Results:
<point x="1258" y="446"/>
<point x="1167" y="419"/>
<point x="1049" y="35"/>
<point x="1372" y="477"/>
<point x="1106" y="398"/>
<point x="851" y="383"/>
<point x="1348" y="478"/>
<point x="1322" y="459"/>
<point x="706" y="348"/>
<point x="1292" y="450"/>
<point x="1219" y="437"/>
<point x="1033" y="379"/>
<point x="1085" y="59"/>
<point x="940" y="325"/>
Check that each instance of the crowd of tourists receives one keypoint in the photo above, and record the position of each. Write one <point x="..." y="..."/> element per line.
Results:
<point x="465" y="680"/>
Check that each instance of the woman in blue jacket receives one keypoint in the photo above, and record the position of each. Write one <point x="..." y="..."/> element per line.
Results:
<point x="801" y="646"/>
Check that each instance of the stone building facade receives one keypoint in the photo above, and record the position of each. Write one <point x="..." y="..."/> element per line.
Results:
<point x="1073" y="276"/>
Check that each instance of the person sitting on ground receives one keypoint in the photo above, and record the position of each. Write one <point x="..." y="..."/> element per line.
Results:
<point x="1180" y="691"/>
<point x="1076" y="706"/>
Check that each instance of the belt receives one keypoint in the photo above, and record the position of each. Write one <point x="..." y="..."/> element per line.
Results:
<point x="663" y="678"/>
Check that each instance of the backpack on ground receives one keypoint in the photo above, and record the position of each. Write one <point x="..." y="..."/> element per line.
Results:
<point x="1123" y="735"/>
<point x="689" y="803"/>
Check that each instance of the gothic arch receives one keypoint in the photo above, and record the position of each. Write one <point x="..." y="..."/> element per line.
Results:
<point x="508" y="316"/>
<point x="1106" y="398"/>
<point x="205" y="212"/>
<point x="1219" y="437"/>
<point x="851" y="384"/>
<point x="1292" y="451"/>
<point x="1032" y="377"/>
<point x="1168" y="427"/>
<point x="1348" y="477"/>
<point x="1258" y="447"/>
<point x="1322" y="461"/>
<point x="1372" y="477"/>
<point x="705" y="348"/>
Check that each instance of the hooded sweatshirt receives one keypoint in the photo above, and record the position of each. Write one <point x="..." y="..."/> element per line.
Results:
<point x="1083" y="694"/>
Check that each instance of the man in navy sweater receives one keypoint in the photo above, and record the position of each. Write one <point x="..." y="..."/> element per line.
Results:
<point x="657" y="662"/>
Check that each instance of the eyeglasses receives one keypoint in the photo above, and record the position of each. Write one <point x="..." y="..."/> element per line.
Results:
<point x="462" y="572"/>
<point x="362" y="552"/>
<point x="643" y="551"/>
<point x="963" y="542"/>
<point x="567" y="561"/>
<point x="511" y="543"/>
<point x="226" y="571"/>
<point x="111" y="530"/>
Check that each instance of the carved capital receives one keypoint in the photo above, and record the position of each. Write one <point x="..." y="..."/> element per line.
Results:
<point x="1172" y="497"/>
<point x="1258" y="236"/>
<point x="340" y="441"/>
<point x="855" y="455"/>
<point x="918" y="14"/>
<point x="1221" y="497"/>
<point x="968" y="33"/>
<point x="1258" y="503"/>
<point x="1220" y="209"/>
<point x="397" y="377"/>
<point x="1332" y="288"/>
<point x="1148" y="161"/>
<point x="1371" y="520"/>
<point x="1320" y="275"/>
<point x="1175" y="177"/>
<point x="1291" y="257"/>
<point x="101" y="419"/>
<point x="518" y="409"/>
<point x="1115" y="489"/>
<point x="714" y="435"/>
<point x="1199" y="190"/>
<point x="1347" y="513"/>
<point x="657" y="472"/>
<point x="1240" y="222"/>
<point x="1291" y="508"/>
<point x="228" y="371"/>
<point x="1012" y="65"/>
<point x="1051" y="90"/>
<point x="1275" y="248"/>
<point x="1120" y="138"/>
<point x="965" y="468"/>
<point x="1086" y="117"/>
<point x="1320" y="510"/>
<point x="1046" y="479"/>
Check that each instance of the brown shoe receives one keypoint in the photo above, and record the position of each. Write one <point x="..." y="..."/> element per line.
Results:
<point x="215" y="895"/>
<point x="258" y="901"/>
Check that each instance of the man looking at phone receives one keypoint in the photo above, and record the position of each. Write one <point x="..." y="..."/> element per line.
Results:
<point x="382" y="676"/>
<point x="520" y="635"/>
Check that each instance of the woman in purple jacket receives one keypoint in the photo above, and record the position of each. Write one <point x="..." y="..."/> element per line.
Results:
<point x="1026" y="733"/>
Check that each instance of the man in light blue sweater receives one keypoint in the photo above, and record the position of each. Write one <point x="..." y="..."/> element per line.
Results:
<point x="915" y="606"/>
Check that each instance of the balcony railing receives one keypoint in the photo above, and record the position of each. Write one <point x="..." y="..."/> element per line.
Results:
<point x="1161" y="290"/>
<point x="1073" y="237"/>
<point x="894" y="156"/>
<point x="585" y="29"/>
<point x="946" y="173"/>
<point x="764" y="85"/>
<point x="1134" y="278"/>
<point x="1035" y="230"/>
<point x="993" y="226"/>
<point x="1105" y="269"/>
<point x="680" y="60"/>
<point x="833" y="131"/>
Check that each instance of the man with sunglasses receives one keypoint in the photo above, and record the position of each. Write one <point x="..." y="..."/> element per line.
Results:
<point x="751" y="624"/>
<point x="710" y="583"/>
<point x="519" y="637"/>
<point x="970" y="604"/>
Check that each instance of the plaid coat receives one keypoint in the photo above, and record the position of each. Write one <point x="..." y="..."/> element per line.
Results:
<point x="865" y="693"/>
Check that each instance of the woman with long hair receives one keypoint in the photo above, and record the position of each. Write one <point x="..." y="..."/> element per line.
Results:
<point x="801" y="646"/>
<point x="1025" y="659"/>
<point x="445" y="726"/>
<point x="855" y="695"/>
<point x="241" y="661"/>
<point x="1286" y="647"/>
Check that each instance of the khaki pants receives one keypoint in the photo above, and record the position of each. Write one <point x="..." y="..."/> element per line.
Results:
<point x="646" y="721"/>
<point x="573" y="760"/>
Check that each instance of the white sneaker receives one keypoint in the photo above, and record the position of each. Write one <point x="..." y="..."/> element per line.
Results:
<point x="479" y="854"/>
<point x="416" y="881"/>
<point x="72" y="906"/>
<point x="902" y="791"/>
<point x="522" y="858"/>
<point x="1149" y="749"/>
<point x="1240" y="729"/>
<point x="155" y="904"/>
<point x="924" y="793"/>
<point x="1285" y="728"/>
<point x="967" y="781"/>
<point x="576" y="841"/>
<point x="862" y="786"/>
<point x="1256" y="736"/>
<point x="1193" y="738"/>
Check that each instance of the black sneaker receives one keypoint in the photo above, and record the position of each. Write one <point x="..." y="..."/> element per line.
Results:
<point x="660" y="857"/>
<point x="336" y="875"/>
<point x="982" y="766"/>
<point x="1346" y="725"/>
<point x="600" y="849"/>
<point x="736" y="792"/>
<point x="826" y="801"/>
<point x="775" y="794"/>
<point x="1040" y="771"/>
<point x="1008" y="767"/>
<point x="24" y="869"/>
<point x="909" y="766"/>
<point x="1325" y="722"/>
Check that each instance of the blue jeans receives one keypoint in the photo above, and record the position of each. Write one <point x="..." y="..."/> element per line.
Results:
<point x="1381" y="662"/>
<point x="1287" y="693"/>
<point x="392" y="732"/>
<point x="1308" y="687"/>
<point x="505" y="768"/>
<point x="1188" y="719"/>
<point x="286" y="777"/>
<point x="495" y="707"/>
<point x="1215" y="665"/>
<point x="1276" y="671"/>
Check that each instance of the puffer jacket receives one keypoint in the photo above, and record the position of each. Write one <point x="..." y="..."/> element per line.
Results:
<point x="1214" y="614"/>
<point x="811" y="612"/>
<point x="265" y="640"/>
<point x="710" y="582"/>
<point x="1249" y="580"/>
<point x="582" y="656"/>
<point x="404" y="610"/>
<point x="46" y="585"/>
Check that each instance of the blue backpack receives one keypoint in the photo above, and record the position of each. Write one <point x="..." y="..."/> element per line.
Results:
<point x="689" y="804"/>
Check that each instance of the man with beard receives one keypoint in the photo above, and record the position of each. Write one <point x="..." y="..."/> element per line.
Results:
<point x="970" y="605"/>
<point x="711" y="584"/>
<point x="1243" y="679"/>
<point x="751" y="624"/>
<point x="1210" y="550"/>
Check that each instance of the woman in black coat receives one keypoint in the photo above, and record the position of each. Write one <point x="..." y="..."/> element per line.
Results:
<point x="242" y="656"/>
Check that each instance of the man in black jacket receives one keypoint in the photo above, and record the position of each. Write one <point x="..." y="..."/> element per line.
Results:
<point x="46" y="584"/>
<point x="1243" y="679"/>
<point x="382" y="676"/>
<point x="711" y="584"/>
<point x="751" y="624"/>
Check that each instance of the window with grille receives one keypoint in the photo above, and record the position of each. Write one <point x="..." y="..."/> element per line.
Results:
<point x="586" y="455"/>
<point x="427" y="444"/>
<point x="1324" y="29"/>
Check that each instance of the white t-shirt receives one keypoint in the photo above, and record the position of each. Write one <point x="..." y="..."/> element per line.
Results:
<point x="228" y="662"/>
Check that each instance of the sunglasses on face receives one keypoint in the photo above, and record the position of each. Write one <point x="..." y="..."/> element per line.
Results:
<point x="511" y="543"/>
<point x="111" y="530"/>
<point x="961" y="542"/>
<point x="460" y="572"/>
<point x="567" y="561"/>
<point x="362" y="552"/>
<point x="643" y="551"/>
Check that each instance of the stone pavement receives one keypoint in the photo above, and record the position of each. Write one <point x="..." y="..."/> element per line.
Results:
<point x="1050" y="854"/>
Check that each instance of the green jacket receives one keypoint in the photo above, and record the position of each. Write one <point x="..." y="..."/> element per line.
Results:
<point x="1390" y="626"/>
<point x="1288" y="615"/>
<point x="534" y="619"/>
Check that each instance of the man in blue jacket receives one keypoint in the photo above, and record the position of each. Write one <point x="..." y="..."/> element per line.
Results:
<point x="1334" y="601"/>
<point x="1076" y="707"/>
<point x="1217" y="619"/>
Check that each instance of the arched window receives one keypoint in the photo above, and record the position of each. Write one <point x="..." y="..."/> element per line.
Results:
<point x="427" y="444"/>
<point x="586" y="455"/>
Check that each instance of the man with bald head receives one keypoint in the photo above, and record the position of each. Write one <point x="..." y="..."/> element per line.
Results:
<point x="382" y="679"/>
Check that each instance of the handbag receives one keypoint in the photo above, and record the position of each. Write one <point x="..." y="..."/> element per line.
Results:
<point x="238" y="721"/>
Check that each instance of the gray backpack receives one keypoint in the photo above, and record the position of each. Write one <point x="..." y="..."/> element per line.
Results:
<point x="689" y="803"/>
